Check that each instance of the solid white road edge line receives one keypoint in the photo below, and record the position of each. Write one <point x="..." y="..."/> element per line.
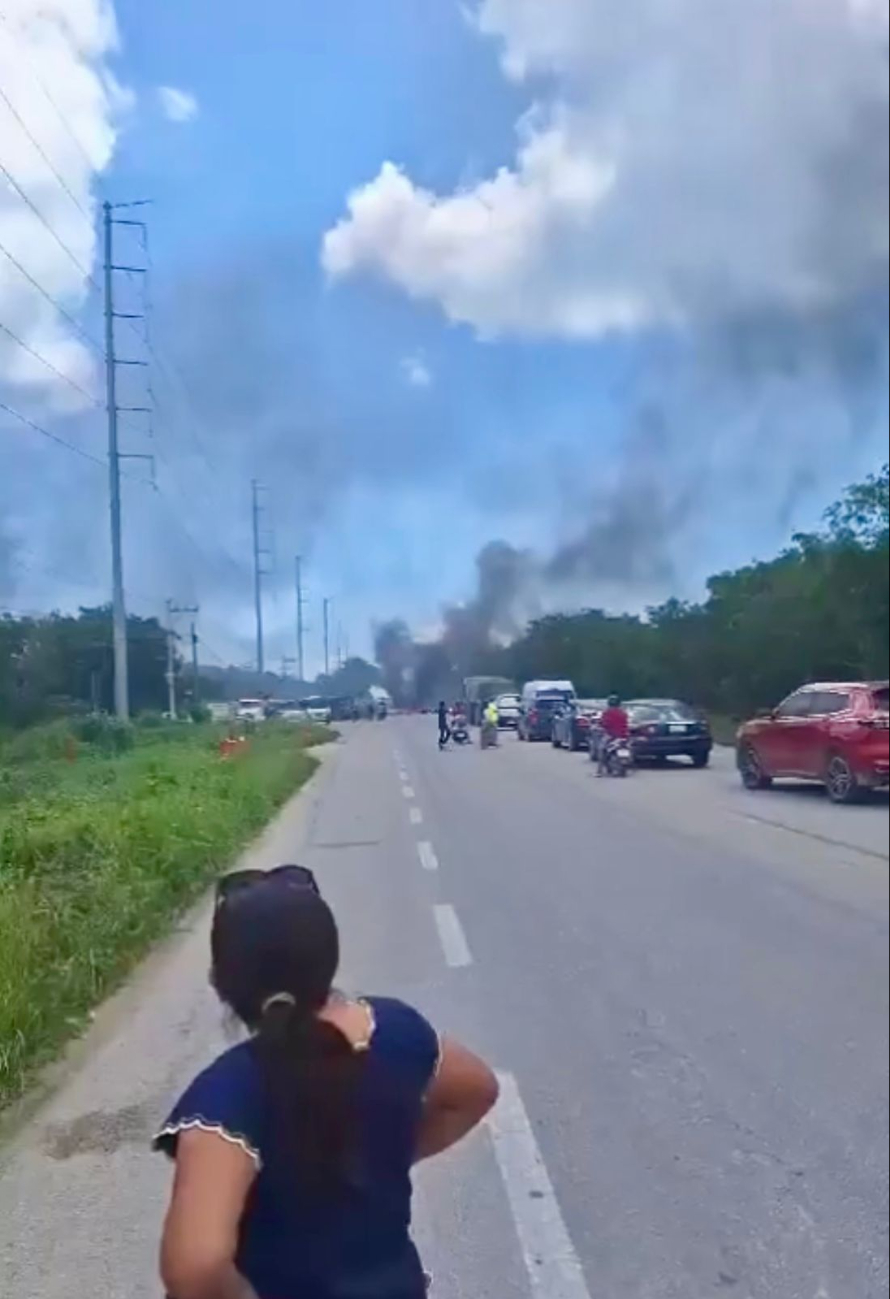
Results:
<point x="415" y="816"/>
<point x="452" y="937"/>
<point x="553" y="1266"/>
<point x="428" y="859"/>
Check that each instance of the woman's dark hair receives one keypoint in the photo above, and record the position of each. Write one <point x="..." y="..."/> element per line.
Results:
<point x="275" y="951"/>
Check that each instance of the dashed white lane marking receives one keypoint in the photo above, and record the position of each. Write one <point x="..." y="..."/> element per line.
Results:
<point x="452" y="937"/>
<point x="407" y="791"/>
<point x="553" y="1266"/>
<point x="428" y="859"/>
<point x="415" y="816"/>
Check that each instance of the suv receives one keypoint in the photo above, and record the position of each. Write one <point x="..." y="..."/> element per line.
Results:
<point x="536" y="718"/>
<point x="837" y="734"/>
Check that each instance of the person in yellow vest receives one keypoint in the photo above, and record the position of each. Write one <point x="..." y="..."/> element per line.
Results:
<point x="490" y="724"/>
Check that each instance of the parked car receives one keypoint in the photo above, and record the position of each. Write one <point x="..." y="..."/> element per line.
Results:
<point x="536" y="718"/>
<point x="835" y="733"/>
<point x="539" y="702"/>
<point x="573" y="722"/>
<point x="668" y="728"/>
<point x="250" y="710"/>
<point x="291" y="712"/>
<point x="508" y="711"/>
<point x="317" y="709"/>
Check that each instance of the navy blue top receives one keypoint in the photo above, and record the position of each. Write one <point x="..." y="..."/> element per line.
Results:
<point x="356" y="1245"/>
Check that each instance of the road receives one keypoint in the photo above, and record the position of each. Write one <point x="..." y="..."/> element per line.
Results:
<point x="683" y="987"/>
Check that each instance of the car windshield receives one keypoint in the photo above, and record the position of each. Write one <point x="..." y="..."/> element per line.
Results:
<point x="507" y="701"/>
<point x="667" y="711"/>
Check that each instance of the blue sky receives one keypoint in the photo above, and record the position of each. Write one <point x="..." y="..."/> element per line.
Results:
<point x="413" y="403"/>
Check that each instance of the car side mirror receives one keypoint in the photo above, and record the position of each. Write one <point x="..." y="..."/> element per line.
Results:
<point x="768" y="714"/>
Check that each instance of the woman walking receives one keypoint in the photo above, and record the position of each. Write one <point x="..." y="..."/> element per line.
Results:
<point x="294" y="1149"/>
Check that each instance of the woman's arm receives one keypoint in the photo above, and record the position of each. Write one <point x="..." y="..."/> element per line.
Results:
<point x="459" y="1097"/>
<point x="213" y="1178"/>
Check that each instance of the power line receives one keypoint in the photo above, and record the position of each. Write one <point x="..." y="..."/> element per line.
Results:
<point x="54" y="302"/>
<point x="49" y="98"/>
<point x="53" y="437"/>
<point x="39" y="147"/>
<point x="72" y="383"/>
<point x="43" y="221"/>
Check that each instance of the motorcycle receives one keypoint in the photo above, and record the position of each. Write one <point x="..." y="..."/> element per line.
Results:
<point x="460" y="731"/>
<point x="619" y="758"/>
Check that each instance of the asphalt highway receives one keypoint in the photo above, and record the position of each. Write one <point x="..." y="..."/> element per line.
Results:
<point x="682" y="985"/>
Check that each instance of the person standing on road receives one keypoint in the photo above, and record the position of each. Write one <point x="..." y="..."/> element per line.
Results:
<point x="444" y="728"/>
<point x="490" y="720"/>
<point x="294" y="1149"/>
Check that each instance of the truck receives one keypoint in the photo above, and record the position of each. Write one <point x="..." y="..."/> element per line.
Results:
<point x="479" y="691"/>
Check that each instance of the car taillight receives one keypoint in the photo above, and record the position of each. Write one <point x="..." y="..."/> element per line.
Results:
<point x="533" y="715"/>
<point x="583" y="721"/>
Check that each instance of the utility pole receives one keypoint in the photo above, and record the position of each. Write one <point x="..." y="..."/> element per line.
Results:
<point x="326" y="612"/>
<point x="258" y="576"/>
<point x="196" y="675"/>
<point x="171" y="653"/>
<point x="118" y="605"/>
<point x="301" y="672"/>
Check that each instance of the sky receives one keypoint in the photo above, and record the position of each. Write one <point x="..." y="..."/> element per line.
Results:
<point x="604" y="280"/>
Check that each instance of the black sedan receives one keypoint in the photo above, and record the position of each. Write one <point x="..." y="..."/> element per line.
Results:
<point x="572" y="724"/>
<point x="667" y="728"/>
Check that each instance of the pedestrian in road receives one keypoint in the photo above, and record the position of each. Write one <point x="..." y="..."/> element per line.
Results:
<point x="294" y="1149"/>
<point x="444" y="728"/>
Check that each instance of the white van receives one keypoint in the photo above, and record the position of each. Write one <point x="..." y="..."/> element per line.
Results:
<point x="533" y="690"/>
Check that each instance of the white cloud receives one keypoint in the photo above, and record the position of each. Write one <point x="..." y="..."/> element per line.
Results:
<point x="177" y="105"/>
<point x="53" y="71"/>
<point x="416" y="372"/>
<point x="678" y="162"/>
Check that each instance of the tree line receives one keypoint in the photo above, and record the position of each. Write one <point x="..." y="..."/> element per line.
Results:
<point x="817" y="611"/>
<point x="63" y="663"/>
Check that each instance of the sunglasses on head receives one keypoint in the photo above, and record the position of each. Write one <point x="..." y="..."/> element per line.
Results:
<point x="299" y="877"/>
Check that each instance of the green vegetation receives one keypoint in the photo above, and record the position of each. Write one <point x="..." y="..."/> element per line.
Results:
<point x="817" y="611"/>
<point x="105" y="832"/>
<point x="62" y="665"/>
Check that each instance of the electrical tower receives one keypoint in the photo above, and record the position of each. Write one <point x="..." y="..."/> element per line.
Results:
<point x="259" y="553"/>
<point x="326" y="615"/>
<point x="115" y="455"/>
<point x="171" y="653"/>
<point x="301" y="672"/>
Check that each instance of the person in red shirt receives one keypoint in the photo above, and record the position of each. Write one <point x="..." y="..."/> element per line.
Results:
<point x="614" y="724"/>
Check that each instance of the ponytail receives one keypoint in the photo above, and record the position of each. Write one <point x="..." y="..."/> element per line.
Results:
<point x="312" y="1073"/>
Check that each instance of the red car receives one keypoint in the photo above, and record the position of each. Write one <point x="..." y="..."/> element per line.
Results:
<point x="834" y="733"/>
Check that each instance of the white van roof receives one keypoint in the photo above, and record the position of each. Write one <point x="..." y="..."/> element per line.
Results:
<point x="542" y="687"/>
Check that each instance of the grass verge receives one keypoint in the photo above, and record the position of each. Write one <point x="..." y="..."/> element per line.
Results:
<point x="97" y="854"/>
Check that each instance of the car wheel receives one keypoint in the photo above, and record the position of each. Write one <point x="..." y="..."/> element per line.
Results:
<point x="840" y="780"/>
<point x="701" y="759"/>
<point x="751" y="769"/>
<point x="557" y="744"/>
